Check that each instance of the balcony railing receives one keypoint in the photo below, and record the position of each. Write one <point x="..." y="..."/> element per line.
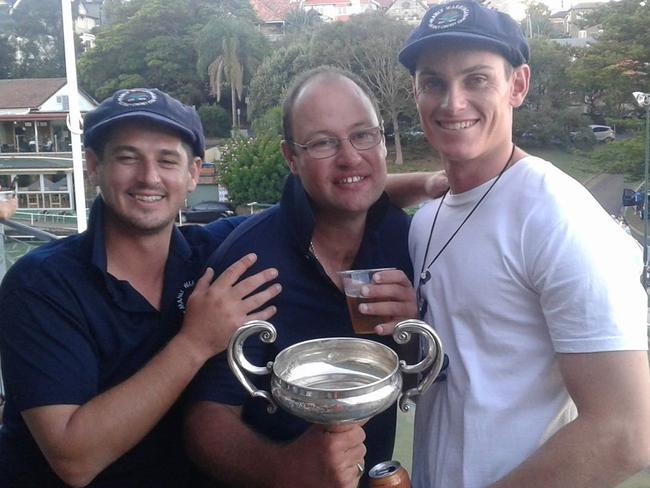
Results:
<point x="17" y="239"/>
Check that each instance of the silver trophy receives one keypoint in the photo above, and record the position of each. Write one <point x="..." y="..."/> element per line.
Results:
<point x="337" y="380"/>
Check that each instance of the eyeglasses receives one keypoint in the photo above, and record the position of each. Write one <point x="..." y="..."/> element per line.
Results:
<point x="326" y="147"/>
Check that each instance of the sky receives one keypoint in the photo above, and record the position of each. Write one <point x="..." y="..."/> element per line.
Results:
<point x="517" y="8"/>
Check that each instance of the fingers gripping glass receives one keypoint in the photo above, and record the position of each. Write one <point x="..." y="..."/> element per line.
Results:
<point x="326" y="147"/>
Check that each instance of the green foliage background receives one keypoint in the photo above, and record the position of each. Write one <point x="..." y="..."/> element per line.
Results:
<point x="253" y="170"/>
<point x="215" y="120"/>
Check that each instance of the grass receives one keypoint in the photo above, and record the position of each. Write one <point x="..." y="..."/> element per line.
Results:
<point x="418" y="156"/>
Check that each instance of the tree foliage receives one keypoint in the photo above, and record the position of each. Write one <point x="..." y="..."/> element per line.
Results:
<point x="253" y="170"/>
<point x="608" y="72"/>
<point x="550" y="67"/>
<point x="31" y="42"/>
<point x="215" y="120"/>
<point x="152" y="47"/>
<point x="536" y="23"/>
<point x="355" y="46"/>
<point x="153" y="43"/>
<point x="622" y="156"/>
<point x="273" y="77"/>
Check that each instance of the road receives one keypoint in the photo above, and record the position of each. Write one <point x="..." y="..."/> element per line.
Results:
<point x="608" y="190"/>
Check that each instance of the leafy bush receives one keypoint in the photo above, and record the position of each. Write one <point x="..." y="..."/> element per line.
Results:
<point x="626" y="125"/>
<point x="622" y="156"/>
<point x="215" y="120"/>
<point x="270" y="123"/>
<point x="544" y="128"/>
<point x="253" y="170"/>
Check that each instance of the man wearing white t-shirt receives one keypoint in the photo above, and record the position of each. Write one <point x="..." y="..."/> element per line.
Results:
<point x="532" y="287"/>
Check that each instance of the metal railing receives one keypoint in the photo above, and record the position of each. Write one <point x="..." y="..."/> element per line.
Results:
<point x="45" y="217"/>
<point x="16" y="239"/>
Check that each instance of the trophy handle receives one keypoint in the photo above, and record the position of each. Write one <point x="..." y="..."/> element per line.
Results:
<point x="433" y="357"/>
<point x="237" y="361"/>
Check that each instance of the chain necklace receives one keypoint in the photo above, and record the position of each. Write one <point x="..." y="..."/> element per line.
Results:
<point x="425" y="275"/>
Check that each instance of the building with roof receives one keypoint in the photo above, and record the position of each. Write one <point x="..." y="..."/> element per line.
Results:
<point x="33" y="114"/>
<point x="409" y="11"/>
<point x="573" y="22"/>
<point x="41" y="182"/>
<point x="273" y="14"/>
<point x="341" y="10"/>
<point x="89" y="16"/>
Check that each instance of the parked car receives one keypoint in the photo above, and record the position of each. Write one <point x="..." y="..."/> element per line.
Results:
<point x="603" y="133"/>
<point x="205" y="212"/>
<point x="631" y="197"/>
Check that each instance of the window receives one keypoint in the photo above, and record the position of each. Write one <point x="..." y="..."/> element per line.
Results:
<point x="29" y="183"/>
<point x="55" y="181"/>
<point x="63" y="100"/>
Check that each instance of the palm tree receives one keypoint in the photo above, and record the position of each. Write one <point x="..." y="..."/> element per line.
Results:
<point x="229" y="50"/>
<point x="227" y="67"/>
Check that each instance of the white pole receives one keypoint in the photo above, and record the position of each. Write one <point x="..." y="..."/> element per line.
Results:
<point x="74" y="116"/>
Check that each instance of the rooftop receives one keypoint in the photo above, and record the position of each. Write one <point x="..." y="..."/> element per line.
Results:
<point x="28" y="93"/>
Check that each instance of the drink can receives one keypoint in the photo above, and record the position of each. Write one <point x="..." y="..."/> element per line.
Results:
<point x="389" y="474"/>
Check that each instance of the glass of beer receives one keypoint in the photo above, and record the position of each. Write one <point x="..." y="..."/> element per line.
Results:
<point x="353" y="280"/>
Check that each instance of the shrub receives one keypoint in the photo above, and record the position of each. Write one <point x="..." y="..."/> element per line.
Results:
<point x="622" y="156"/>
<point x="215" y="120"/>
<point x="253" y="170"/>
<point x="270" y="123"/>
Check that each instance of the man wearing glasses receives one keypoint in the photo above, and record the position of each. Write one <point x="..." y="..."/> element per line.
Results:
<point x="333" y="216"/>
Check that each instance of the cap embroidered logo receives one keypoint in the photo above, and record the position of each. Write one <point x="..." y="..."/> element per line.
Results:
<point x="135" y="98"/>
<point x="448" y="16"/>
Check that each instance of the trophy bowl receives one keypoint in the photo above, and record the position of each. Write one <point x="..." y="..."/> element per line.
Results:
<point x="336" y="380"/>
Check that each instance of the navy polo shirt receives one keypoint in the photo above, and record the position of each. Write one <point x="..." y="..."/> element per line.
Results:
<point x="69" y="331"/>
<point x="310" y="305"/>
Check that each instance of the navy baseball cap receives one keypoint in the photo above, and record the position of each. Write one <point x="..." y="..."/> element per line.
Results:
<point x="145" y="103"/>
<point x="466" y="20"/>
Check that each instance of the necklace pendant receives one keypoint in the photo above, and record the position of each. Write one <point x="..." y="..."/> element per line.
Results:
<point x="424" y="277"/>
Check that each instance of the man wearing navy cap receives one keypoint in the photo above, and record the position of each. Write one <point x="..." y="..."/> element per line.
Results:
<point x="97" y="335"/>
<point x="532" y="287"/>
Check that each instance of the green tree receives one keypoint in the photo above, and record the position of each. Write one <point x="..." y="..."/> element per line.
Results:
<point x="300" y="21"/>
<point x="273" y="77"/>
<point x="356" y="46"/>
<point x="229" y="50"/>
<point x="607" y="73"/>
<point x="35" y="32"/>
<point x="270" y="123"/>
<point x="253" y="170"/>
<point x="152" y="46"/>
<point x="550" y="87"/>
<point x="536" y="23"/>
<point x="215" y="120"/>
<point x="7" y="59"/>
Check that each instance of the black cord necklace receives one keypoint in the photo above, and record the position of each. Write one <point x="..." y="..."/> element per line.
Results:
<point x="425" y="275"/>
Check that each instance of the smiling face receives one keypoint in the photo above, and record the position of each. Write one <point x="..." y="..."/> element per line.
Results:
<point x="465" y="99"/>
<point x="349" y="182"/>
<point x="144" y="176"/>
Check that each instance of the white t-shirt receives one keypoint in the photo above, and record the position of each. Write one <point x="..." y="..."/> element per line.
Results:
<point x="539" y="268"/>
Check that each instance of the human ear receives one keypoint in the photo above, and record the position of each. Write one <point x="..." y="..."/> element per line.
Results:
<point x="520" y="82"/>
<point x="289" y="157"/>
<point x="194" y="170"/>
<point x="92" y="164"/>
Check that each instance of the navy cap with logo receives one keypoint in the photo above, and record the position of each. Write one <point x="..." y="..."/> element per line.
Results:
<point x="149" y="104"/>
<point x="466" y="20"/>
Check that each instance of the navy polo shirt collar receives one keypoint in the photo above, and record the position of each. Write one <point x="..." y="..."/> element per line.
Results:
<point x="121" y="291"/>
<point x="299" y="216"/>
